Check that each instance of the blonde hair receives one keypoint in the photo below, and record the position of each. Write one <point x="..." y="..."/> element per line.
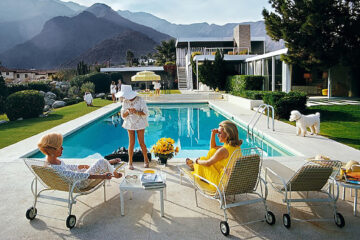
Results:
<point x="49" y="143"/>
<point x="232" y="133"/>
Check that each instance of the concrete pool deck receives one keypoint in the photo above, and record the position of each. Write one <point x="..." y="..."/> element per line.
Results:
<point x="183" y="220"/>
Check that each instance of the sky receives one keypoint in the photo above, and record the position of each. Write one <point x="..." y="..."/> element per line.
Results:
<point x="191" y="11"/>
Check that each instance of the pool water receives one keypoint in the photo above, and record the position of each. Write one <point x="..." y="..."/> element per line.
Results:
<point x="188" y="124"/>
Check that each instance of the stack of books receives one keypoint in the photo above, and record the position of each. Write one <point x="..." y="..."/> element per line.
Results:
<point x="152" y="180"/>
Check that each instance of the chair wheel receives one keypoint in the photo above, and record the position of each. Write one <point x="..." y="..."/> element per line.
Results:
<point x="286" y="220"/>
<point x="270" y="218"/>
<point x="71" y="221"/>
<point x="31" y="213"/>
<point x="339" y="220"/>
<point x="224" y="228"/>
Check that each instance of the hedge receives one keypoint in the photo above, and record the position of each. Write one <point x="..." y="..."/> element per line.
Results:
<point x="284" y="103"/>
<point x="25" y="104"/>
<point x="40" y="86"/>
<point x="239" y="83"/>
<point x="255" y="95"/>
<point x="102" y="81"/>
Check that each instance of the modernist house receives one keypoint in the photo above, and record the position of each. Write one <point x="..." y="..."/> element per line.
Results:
<point x="250" y="55"/>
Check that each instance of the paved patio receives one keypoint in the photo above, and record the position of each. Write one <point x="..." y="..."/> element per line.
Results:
<point x="183" y="220"/>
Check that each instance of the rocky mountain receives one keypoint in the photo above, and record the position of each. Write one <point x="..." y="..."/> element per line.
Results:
<point x="21" y="20"/>
<point x="115" y="49"/>
<point x="199" y="29"/>
<point x="62" y="39"/>
<point x="104" y="11"/>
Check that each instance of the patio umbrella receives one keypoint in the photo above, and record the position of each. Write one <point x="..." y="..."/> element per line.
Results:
<point x="145" y="76"/>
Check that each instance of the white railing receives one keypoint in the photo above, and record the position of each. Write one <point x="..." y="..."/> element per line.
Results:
<point x="259" y="112"/>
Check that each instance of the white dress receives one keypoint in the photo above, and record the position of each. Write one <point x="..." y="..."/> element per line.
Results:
<point x="112" y="89"/>
<point x="72" y="172"/>
<point x="88" y="98"/>
<point x="157" y="85"/>
<point x="135" y="121"/>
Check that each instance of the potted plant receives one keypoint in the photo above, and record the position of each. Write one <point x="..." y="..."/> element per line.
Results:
<point x="164" y="149"/>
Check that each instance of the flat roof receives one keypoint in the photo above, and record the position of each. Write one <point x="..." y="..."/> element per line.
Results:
<point x="131" y="69"/>
<point x="198" y="41"/>
<point x="227" y="57"/>
<point x="266" y="55"/>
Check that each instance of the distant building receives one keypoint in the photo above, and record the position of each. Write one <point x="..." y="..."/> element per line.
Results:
<point x="24" y="75"/>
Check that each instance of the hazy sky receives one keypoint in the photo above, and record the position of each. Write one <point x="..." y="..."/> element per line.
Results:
<point x="191" y="11"/>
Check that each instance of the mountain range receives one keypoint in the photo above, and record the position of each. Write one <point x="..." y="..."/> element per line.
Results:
<point x="59" y="34"/>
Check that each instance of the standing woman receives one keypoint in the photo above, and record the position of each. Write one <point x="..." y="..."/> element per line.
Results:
<point x="113" y="91"/>
<point x="134" y="112"/>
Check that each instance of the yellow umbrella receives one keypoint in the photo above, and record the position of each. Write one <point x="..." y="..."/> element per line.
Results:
<point x="145" y="76"/>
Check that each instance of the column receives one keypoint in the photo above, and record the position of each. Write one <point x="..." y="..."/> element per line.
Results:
<point x="286" y="78"/>
<point x="273" y="73"/>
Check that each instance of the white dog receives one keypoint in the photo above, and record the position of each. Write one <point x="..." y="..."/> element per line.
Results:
<point x="303" y="121"/>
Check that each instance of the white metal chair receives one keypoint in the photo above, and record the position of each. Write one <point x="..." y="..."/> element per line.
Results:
<point x="51" y="180"/>
<point x="241" y="176"/>
<point x="314" y="176"/>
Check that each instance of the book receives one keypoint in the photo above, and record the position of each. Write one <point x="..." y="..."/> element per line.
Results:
<point x="151" y="179"/>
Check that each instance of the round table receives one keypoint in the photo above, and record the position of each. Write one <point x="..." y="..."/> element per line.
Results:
<point x="356" y="187"/>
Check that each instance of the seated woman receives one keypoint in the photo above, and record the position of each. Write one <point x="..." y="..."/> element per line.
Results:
<point x="211" y="167"/>
<point x="51" y="146"/>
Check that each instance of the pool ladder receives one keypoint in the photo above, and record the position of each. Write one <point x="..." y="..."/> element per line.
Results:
<point x="258" y="113"/>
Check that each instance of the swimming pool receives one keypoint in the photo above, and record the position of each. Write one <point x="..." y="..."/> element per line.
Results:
<point x="188" y="124"/>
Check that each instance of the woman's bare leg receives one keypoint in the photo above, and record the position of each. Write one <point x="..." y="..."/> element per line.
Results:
<point x="190" y="163"/>
<point x="113" y="97"/>
<point x="131" y="147"/>
<point x="141" y="139"/>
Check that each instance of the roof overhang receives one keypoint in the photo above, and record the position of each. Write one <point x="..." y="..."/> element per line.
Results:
<point x="267" y="55"/>
<point x="228" y="58"/>
<point x="132" y="69"/>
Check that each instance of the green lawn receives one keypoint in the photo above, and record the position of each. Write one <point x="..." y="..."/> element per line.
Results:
<point x="15" y="131"/>
<point x="339" y="122"/>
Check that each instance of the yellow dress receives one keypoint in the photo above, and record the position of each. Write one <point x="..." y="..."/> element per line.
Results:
<point x="214" y="172"/>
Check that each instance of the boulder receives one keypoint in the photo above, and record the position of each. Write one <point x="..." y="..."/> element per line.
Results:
<point x="49" y="101"/>
<point x="42" y="93"/>
<point x="46" y="108"/>
<point x="58" y="104"/>
<point x="50" y="95"/>
<point x="100" y="95"/>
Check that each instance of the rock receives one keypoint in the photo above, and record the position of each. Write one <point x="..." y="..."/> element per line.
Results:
<point x="50" y="95"/>
<point x="78" y="98"/>
<point x="58" y="104"/>
<point x="43" y="115"/>
<point x="19" y="119"/>
<point x="49" y="101"/>
<point x="46" y="108"/>
<point x="42" y="93"/>
<point x="100" y="95"/>
<point x="3" y="121"/>
<point x="66" y="98"/>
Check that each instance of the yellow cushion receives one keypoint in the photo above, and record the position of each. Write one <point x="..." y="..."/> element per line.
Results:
<point x="349" y="165"/>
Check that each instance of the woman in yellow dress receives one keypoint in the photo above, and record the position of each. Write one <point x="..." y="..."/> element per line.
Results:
<point x="211" y="167"/>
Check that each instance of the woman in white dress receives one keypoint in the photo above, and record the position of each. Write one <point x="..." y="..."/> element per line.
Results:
<point x="88" y="99"/>
<point x="157" y="86"/>
<point x="113" y="90"/>
<point x="51" y="146"/>
<point x="134" y="112"/>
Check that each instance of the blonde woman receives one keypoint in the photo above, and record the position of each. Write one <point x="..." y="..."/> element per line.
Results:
<point x="134" y="112"/>
<point x="51" y="146"/>
<point x="211" y="167"/>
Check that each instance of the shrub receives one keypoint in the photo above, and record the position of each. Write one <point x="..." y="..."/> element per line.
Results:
<point x="255" y="95"/>
<point x="40" y="86"/>
<point x="239" y="83"/>
<point x="115" y="77"/>
<point x="25" y="104"/>
<point x="284" y="103"/>
<point x="72" y="101"/>
<point x="87" y="87"/>
<point x="74" y="92"/>
<point x="78" y="80"/>
<point x="3" y="94"/>
<point x="102" y="82"/>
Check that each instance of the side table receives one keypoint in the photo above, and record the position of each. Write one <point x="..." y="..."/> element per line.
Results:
<point x="356" y="187"/>
<point x="132" y="185"/>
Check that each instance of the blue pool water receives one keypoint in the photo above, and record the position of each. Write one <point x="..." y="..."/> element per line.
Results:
<point x="188" y="124"/>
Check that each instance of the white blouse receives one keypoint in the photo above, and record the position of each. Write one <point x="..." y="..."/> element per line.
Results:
<point x="135" y="121"/>
<point x="112" y="88"/>
<point x="72" y="173"/>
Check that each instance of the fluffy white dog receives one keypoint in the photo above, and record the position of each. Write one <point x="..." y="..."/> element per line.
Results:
<point x="304" y="121"/>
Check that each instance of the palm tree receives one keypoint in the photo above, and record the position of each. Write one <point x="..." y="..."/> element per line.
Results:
<point x="129" y="57"/>
<point x="166" y="52"/>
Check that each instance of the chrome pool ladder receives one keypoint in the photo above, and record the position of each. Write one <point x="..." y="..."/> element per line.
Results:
<point x="257" y="115"/>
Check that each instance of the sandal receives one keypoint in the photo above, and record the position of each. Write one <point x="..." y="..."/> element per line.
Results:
<point x="146" y="165"/>
<point x="131" y="167"/>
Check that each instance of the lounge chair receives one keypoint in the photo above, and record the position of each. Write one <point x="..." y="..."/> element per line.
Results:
<point x="51" y="180"/>
<point x="241" y="176"/>
<point x="315" y="176"/>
